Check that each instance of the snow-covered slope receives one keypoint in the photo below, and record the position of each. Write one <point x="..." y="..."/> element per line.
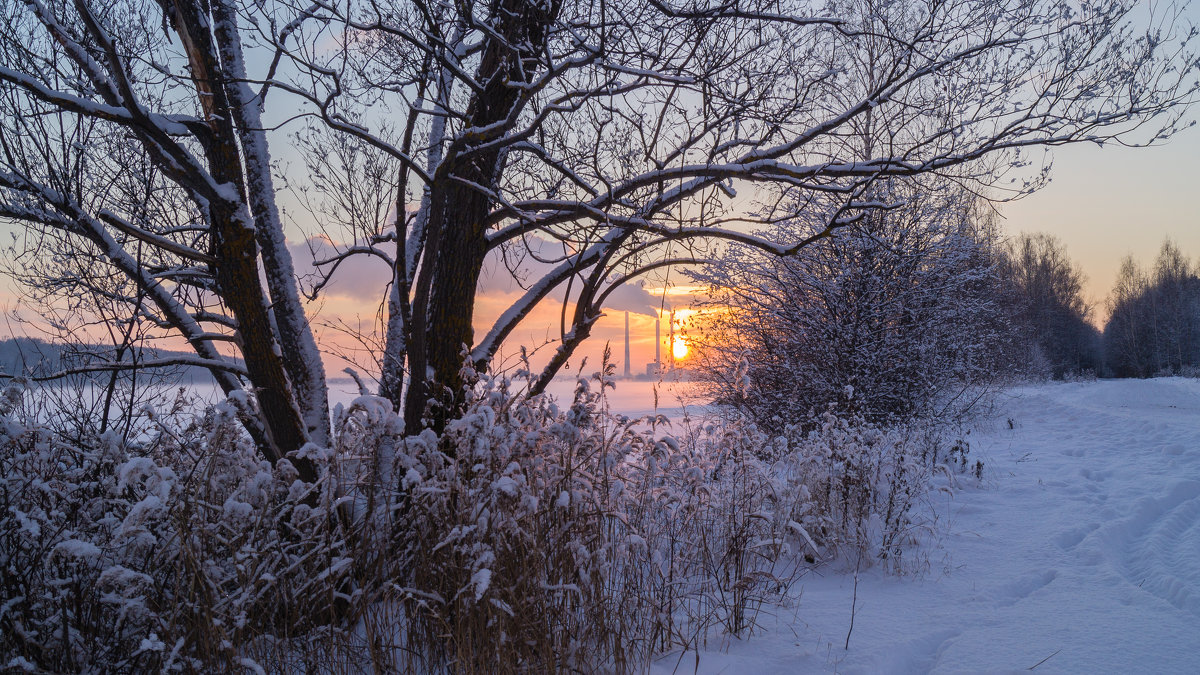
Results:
<point x="1079" y="552"/>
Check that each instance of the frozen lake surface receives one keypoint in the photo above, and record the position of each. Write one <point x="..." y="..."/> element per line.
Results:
<point x="634" y="398"/>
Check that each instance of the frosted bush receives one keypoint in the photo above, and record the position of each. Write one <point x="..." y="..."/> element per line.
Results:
<point x="860" y="485"/>
<point x="546" y="537"/>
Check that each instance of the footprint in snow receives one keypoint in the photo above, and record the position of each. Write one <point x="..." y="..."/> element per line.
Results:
<point x="1016" y="591"/>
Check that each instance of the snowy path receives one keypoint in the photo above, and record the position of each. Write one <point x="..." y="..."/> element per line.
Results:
<point x="1080" y="550"/>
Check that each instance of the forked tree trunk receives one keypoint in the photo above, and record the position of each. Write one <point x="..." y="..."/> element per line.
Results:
<point x="444" y="299"/>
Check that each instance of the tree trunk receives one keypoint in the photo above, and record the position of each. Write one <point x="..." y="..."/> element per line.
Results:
<point x="446" y="305"/>
<point x="234" y="245"/>
<point x="235" y="248"/>
<point x="444" y="301"/>
<point x="301" y="358"/>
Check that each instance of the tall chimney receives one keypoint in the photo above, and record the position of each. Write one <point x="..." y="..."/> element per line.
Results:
<point x="657" y="342"/>
<point x="671" y="340"/>
<point x="627" y="371"/>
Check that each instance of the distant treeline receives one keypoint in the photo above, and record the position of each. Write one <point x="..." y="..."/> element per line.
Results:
<point x="1154" y="322"/>
<point x="38" y="359"/>
<point x="1153" y="325"/>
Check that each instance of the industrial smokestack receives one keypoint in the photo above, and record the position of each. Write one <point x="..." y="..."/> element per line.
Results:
<point x="671" y="340"/>
<point x="657" y="342"/>
<point x="628" y="374"/>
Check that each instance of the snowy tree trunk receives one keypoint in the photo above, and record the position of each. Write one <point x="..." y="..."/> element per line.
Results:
<point x="459" y="206"/>
<point x="235" y="247"/>
<point x="301" y="358"/>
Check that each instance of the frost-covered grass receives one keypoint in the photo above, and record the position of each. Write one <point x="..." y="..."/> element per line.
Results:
<point x="171" y="556"/>
<point x="533" y="535"/>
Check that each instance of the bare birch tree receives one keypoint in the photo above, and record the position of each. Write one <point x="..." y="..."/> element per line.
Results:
<point x="624" y="132"/>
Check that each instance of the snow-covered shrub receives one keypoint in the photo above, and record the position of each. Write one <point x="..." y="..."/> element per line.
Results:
<point x="64" y="606"/>
<point x="727" y="517"/>
<point x="529" y="536"/>
<point x="859" y="485"/>
<point x="900" y="316"/>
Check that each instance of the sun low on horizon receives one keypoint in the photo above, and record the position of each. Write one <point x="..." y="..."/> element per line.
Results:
<point x="679" y="348"/>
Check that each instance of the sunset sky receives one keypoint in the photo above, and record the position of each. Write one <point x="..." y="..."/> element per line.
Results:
<point x="1103" y="203"/>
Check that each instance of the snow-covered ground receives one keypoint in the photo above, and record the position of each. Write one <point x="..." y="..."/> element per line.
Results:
<point x="1079" y="552"/>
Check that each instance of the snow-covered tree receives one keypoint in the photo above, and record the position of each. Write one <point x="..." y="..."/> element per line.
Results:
<point x="620" y="130"/>
<point x="900" y="315"/>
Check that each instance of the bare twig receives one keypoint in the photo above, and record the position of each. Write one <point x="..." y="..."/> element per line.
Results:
<point x="1045" y="659"/>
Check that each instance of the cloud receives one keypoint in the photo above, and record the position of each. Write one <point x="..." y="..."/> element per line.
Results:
<point x="533" y="258"/>
<point x="634" y="298"/>
<point x="538" y="257"/>
<point x="363" y="277"/>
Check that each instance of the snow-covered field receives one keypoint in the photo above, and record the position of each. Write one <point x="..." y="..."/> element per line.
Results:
<point x="1079" y="552"/>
